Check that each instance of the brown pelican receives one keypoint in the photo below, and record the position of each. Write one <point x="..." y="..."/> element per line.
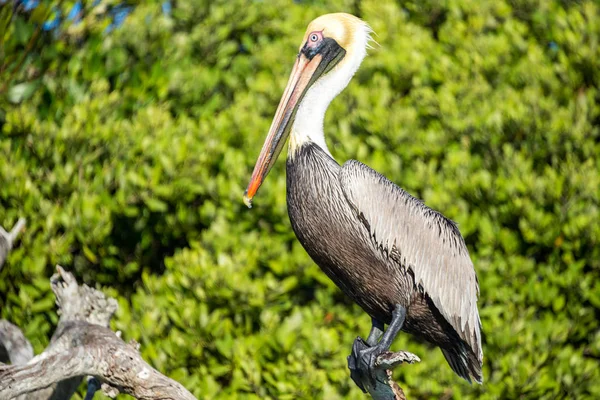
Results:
<point x="405" y="264"/>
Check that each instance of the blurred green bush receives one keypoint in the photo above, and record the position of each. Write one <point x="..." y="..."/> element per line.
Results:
<point x="128" y="154"/>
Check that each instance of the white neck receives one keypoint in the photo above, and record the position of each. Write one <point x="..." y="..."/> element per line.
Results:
<point x="308" y="124"/>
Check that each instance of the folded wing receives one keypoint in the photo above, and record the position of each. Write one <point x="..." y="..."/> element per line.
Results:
<point x="422" y="240"/>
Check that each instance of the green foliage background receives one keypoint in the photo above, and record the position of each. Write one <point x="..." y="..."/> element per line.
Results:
<point x="129" y="152"/>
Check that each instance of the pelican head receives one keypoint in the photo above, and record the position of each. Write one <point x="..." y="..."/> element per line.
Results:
<point x="331" y="51"/>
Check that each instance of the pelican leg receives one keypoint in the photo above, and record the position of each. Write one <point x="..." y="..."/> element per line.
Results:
<point x="361" y="361"/>
<point x="375" y="333"/>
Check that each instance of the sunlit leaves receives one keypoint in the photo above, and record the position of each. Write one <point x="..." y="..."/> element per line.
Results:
<point x="130" y="156"/>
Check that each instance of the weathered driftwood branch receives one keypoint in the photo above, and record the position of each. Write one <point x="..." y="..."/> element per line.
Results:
<point x="14" y="346"/>
<point x="84" y="345"/>
<point x="98" y="352"/>
<point x="8" y="238"/>
<point x="384" y="387"/>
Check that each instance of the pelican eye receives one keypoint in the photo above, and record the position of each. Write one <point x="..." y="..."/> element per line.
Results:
<point x="314" y="43"/>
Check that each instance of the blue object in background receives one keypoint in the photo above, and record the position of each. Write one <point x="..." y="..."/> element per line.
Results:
<point x="29" y="5"/>
<point x="53" y="23"/>
<point x="167" y="7"/>
<point x="75" y="13"/>
<point x="118" y="13"/>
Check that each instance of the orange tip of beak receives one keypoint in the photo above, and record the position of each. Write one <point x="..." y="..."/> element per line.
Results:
<point x="247" y="200"/>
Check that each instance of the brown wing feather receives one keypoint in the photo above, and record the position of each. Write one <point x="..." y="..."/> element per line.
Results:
<point x="423" y="240"/>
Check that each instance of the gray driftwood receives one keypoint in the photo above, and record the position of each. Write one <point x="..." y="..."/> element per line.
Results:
<point x="8" y="238"/>
<point x="380" y="384"/>
<point x="82" y="345"/>
<point x="14" y="346"/>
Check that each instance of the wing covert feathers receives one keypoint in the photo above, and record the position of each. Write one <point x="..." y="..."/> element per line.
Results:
<point x="422" y="240"/>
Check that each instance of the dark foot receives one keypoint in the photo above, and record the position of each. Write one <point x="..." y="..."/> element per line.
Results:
<point x="354" y="362"/>
<point x="361" y="361"/>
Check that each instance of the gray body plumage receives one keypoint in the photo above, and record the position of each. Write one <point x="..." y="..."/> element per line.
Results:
<point x="383" y="247"/>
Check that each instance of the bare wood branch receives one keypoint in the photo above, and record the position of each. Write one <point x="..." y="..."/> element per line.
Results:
<point x="100" y="353"/>
<point x="380" y="384"/>
<point x="80" y="303"/>
<point x="14" y="346"/>
<point x="7" y="239"/>
<point x="84" y="345"/>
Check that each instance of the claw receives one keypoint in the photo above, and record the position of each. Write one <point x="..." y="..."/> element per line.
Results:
<point x="355" y="364"/>
<point x="368" y="358"/>
<point x="361" y="362"/>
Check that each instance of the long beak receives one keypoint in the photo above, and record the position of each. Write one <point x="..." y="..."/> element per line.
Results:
<point x="307" y="70"/>
<point x="300" y="77"/>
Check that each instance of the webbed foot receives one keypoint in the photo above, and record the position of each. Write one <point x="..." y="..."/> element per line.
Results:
<point x="361" y="361"/>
